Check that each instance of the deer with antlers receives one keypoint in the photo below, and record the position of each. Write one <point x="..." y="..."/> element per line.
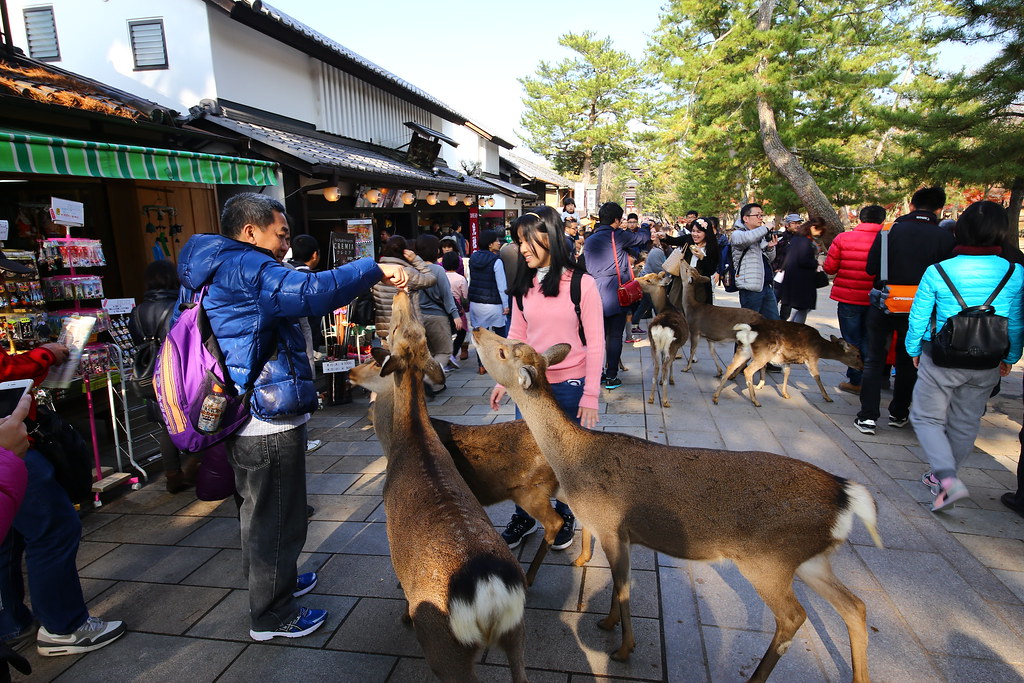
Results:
<point x="775" y="517"/>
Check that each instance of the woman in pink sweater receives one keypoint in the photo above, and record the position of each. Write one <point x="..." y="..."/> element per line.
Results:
<point x="544" y="314"/>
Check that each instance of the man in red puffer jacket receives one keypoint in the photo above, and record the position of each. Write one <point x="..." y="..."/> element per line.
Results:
<point x="848" y="257"/>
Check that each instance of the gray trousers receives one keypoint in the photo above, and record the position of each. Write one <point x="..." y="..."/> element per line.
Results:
<point x="270" y="474"/>
<point x="946" y="412"/>
<point x="439" y="340"/>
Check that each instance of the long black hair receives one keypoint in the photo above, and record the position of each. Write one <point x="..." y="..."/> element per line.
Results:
<point x="710" y="237"/>
<point x="542" y="220"/>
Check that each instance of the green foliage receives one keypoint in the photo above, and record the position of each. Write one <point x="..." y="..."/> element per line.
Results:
<point x="578" y="111"/>
<point x="828" y="67"/>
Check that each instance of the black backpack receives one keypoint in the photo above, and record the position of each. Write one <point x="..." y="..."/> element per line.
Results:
<point x="729" y="270"/>
<point x="575" y="293"/>
<point x="975" y="338"/>
<point x="140" y="384"/>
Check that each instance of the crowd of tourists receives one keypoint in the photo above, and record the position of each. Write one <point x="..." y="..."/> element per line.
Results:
<point x="554" y="278"/>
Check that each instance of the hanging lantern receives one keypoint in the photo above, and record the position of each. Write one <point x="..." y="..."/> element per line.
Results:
<point x="490" y="201"/>
<point x="408" y="198"/>
<point x="372" y="196"/>
<point x="452" y="201"/>
<point x="332" y="194"/>
<point x="432" y="198"/>
<point x="467" y="200"/>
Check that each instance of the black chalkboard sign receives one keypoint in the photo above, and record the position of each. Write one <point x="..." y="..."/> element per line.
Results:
<point x="343" y="248"/>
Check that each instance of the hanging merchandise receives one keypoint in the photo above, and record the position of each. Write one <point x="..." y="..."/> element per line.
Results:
<point x="72" y="253"/>
<point x="72" y="287"/>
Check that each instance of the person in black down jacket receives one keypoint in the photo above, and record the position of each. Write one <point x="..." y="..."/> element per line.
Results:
<point x="797" y="289"/>
<point x="151" y="320"/>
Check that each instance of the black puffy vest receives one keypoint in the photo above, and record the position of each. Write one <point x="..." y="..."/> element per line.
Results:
<point x="483" y="287"/>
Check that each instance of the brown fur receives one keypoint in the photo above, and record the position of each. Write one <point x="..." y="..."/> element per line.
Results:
<point x="669" y="318"/>
<point x="435" y="525"/>
<point x="499" y="462"/>
<point x="771" y="515"/>
<point x="778" y="341"/>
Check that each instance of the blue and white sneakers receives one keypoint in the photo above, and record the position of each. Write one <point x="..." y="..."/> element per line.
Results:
<point x="304" y="623"/>
<point x="305" y="583"/>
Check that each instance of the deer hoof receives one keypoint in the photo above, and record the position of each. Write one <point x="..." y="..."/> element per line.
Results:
<point x="666" y="404"/>
<point x="607" y="624"/>
<point x="714" y="399"/>
<point x="650" y="400"/>
<point x="756" y="404"/>
<point x="672" y="381"/>
<point x="622" y="654"/>
<point x="828" y="399"/>
<point x="785" y="396"/>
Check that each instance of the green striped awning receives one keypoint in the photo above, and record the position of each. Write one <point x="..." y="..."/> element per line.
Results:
<point x="31" y="153"/>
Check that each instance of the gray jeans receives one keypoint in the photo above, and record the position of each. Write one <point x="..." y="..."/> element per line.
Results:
<point x="270" y="474"/>
<point x="946" y="412"/>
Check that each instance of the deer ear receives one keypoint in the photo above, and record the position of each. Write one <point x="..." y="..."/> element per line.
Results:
<point x="527" y="376"/>
<point x="388" y="365"/>
<point x="380" y="355"/>
<point x="833" y="338"/>
<point x="556" y="354"/>
<point x="433" y="371"/>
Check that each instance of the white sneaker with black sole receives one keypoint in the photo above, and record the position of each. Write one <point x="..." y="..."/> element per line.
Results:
<point x="898" y="422"/>
<point x="865" y="426"/>
<point x="92" y="635"/>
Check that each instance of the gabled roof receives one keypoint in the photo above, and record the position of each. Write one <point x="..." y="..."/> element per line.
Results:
<point x="320" y="153"/>
<point x="529" y="169"/>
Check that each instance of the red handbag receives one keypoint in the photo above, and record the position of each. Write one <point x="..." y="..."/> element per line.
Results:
<point x="630" y="292"/>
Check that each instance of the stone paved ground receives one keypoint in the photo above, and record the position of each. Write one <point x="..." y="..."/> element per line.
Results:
<point x="945" y="598"/>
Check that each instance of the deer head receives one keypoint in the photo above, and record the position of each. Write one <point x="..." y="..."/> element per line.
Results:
<point x="512" y="362"/>
<point x="849" y="353"/>
<point x="652" y="281"/>
<point x="690" y="274"/>
<point x="367" y="375"/>
<point x="408" y="342"/>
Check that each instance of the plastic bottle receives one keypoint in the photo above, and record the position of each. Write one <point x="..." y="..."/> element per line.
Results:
<point x="212" y="411"/>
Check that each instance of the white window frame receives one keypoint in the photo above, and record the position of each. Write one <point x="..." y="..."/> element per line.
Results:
<point x="163" y="43"/>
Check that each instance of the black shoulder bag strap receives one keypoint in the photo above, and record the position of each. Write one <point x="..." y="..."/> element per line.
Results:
<point x="960" y="299"/>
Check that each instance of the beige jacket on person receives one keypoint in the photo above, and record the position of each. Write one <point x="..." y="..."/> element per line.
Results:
<point x="420" y="277"/>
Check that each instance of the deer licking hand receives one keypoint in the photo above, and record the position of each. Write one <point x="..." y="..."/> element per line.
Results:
<point x="775" y="517"/>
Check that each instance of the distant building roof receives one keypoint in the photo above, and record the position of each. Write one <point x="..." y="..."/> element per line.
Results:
<point x="529" y="169"/>
<point x="289" y="30"/>
<point x="323" y="153"/>
<point x="510" y="189"/>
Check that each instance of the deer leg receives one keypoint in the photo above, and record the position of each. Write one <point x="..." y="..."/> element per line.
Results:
<point x="748" y="374"/>
<point x="738" y="359"/>
<point x="617" y="551"/>
<point x="538" y="506"/>
<point x="817" y="574"/>
<point x="512" y="642"/>
<point x="586" y="552"/>
<point x="774" y="583"/>
<point x="654" y="360"/>
<point x="812" y="367"/>
<point x="449" y="659"/>
<point x="785" y="380"/>
<point x="694" y="337"/>
<point x="714" y="358"/>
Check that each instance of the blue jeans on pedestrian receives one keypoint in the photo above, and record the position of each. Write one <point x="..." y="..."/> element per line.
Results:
<point x="46" y="530"/>
<point x="270" y="475"/>
<point x="763" y="302"/>
<point x="568" y="395"/>
<point x="852" y="321"/>
<point x="644" y="309"/>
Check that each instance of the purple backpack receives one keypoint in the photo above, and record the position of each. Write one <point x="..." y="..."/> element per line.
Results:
<point x="189" y="365"/>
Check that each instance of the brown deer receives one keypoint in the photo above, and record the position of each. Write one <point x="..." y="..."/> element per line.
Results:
<point x="465" y="590"/>
<point x="666" y="333"/>
<point x="499" y="462"/>
<point x="778" y="341"/>
<point x="714" y="323"/>
<point x="773" y="516"/>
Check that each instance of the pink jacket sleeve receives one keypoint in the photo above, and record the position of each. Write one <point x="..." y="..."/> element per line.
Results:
<point x="592" y="315"/>
<point x="13" y="481"/>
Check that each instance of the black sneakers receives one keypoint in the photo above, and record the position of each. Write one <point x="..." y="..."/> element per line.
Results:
<point x="519" y="527"/>
<point x="566" y="534"/>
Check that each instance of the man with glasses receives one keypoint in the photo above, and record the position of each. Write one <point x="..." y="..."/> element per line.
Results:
<point x="752" y="252"/>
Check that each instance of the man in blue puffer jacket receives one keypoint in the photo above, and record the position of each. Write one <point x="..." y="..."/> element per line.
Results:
<point x="254" y="303"/>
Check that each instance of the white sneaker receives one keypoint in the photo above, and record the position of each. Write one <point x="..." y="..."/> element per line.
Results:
<point x="312" y="445"/>
<point x="92" y="635"/>
<point x="452" y="360"/>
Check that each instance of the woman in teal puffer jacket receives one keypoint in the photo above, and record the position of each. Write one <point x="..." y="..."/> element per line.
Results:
<point x="949" y="402"/>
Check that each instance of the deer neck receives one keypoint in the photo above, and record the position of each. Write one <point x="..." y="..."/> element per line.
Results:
<point x="551" y="428"/>
<point x="410" y="421"/>
<point x="659" y="297"/>
<point x="384" y="417"/>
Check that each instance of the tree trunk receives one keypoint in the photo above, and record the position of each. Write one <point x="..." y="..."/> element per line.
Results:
<point x="585" y="178"/>
<point x="781" y="159"/>
<point x="1016" y="199"/>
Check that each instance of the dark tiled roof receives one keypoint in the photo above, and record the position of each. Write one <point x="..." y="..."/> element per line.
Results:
<point x="509" y="189"/>
<point x="324" y="153"/>
<point x="531" y="170"/>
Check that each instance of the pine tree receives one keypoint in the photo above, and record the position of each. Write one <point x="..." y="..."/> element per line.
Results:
<point x="578" y="111"/>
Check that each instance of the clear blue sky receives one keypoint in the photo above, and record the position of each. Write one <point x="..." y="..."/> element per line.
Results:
<point x="469" y="54"/>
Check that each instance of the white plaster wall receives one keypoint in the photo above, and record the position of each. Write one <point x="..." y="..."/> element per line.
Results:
<point x="471" y="147"/>
<point x="256" y="70"/>
<point x="93" y="40"/>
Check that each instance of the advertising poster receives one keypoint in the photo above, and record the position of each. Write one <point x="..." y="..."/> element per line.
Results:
<point x="362" y="228"/>
<point x="74" y="334"/>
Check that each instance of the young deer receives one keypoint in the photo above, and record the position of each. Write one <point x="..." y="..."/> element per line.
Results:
<point x="499" y="462"/>
<point x="778" y="341"/>
<point x="771" y="515"/>
<point x="714" y="323"/>
<point x="666" y="333"/>
<point x="465" y="590"/>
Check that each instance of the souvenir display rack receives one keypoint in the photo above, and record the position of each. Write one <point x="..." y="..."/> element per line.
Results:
<point x="24" y="323"/>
